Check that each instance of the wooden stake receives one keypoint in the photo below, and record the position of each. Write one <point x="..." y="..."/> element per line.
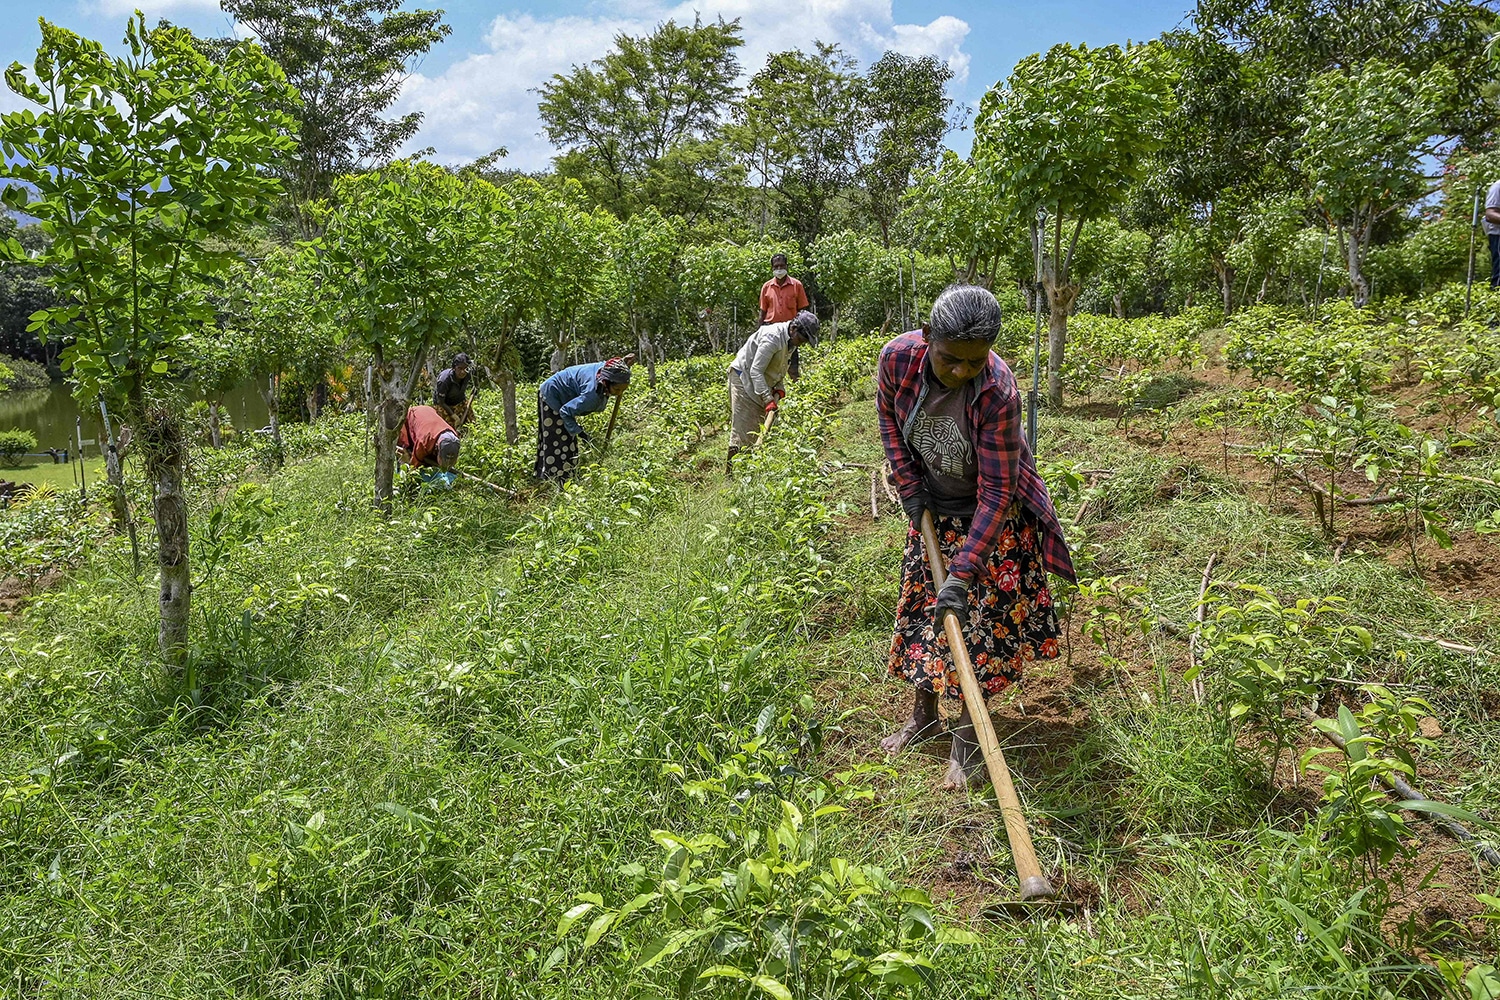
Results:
<point x="1033" y="883"/>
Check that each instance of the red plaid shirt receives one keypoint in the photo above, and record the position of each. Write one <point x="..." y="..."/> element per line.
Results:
<point x="1006" y="468"/>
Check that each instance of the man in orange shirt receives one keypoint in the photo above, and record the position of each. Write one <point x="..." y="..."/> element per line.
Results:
<point x="781" y="299"/>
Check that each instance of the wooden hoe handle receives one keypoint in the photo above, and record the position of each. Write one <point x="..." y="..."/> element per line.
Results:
<point x="1033" y="883"/>
<point x="765" y="426"/>
<point x="613" y="413"/>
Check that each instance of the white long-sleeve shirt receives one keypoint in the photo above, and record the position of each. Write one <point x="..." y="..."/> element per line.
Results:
<point x="763" y="360"/>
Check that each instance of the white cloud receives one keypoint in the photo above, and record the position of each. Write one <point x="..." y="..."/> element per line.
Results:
<point x="486" y="99"/>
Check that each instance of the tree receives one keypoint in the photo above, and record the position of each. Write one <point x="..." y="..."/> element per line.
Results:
<point x="136" y="163"/>
<point x="348" y="60"/>
<point x="274" y="331"/>
<point x="843" y="261"/>
<point x="1300" y="39"/>
<point x="1069" y="135"/>
<point x="23" y="291"/>
<point x="1363" y="134"/>
<point x="641" y="126"/>
<point x="906" y="115"/>
<point x="1117" y="259"/>
<point x="399" y="255"/>
<point x="958" y="212"/>
<point x="799" y="128"/>
<point x="644" y="248"/>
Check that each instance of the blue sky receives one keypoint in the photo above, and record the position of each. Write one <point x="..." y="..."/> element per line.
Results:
<point x="476" y="88"/>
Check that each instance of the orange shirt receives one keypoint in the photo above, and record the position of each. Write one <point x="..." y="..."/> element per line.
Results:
<point x="780" y="300"/>
<point x="419" y="434"/>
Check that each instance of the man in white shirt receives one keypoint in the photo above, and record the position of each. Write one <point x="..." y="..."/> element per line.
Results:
<point x="758" y="374"/>
<point x="1492" y="231"/>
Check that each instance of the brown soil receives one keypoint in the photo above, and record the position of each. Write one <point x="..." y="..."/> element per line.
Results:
<point x="14" y="591"/>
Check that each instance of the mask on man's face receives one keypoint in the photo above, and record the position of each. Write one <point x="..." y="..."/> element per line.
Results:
<point x="780" y="272"/>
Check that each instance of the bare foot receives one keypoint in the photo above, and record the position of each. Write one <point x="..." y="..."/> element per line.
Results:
<point x="966" y="759"/>
<point x="924" y="724"/>
<point x="916" y="730"/>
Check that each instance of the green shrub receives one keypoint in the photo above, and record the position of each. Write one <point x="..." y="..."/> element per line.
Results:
<point x="19" y="373"/>
<point x="14" y="444"/>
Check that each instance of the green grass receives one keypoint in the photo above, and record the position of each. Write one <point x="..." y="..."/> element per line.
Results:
<point x="64" y="477"/>
<point x="408" y="746"/>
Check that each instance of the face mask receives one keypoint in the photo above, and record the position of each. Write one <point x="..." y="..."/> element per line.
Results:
<point x="780" y="272"/>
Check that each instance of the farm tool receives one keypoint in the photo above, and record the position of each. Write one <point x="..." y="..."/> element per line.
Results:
<point x="765" y="426"/>
<point x="1034" y="885"/>
<point x="609" y="431"/>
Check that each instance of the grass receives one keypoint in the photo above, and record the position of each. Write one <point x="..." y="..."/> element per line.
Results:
<point x="64" y="477"/>
<point x="408" y="746"/>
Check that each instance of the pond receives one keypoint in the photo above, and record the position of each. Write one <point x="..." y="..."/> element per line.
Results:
<point x="51" y="413"/>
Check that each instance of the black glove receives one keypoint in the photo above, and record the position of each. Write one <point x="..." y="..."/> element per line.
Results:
<point x="953" y="597"/>
<point x="914" y="506"/>
<point x="585" y="437"/>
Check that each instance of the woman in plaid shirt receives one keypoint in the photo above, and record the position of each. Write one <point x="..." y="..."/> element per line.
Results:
<point x="950" y="418"/>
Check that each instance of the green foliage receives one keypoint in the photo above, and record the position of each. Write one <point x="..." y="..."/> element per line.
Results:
<point x="130" y="250"/>
<point x="1073" y="129"/>
<point x="1357" y="817"/>
<point x="759" y="902"/>
<point x="1266" y="657"/>
<point x="640" y="126"/>
<point x="19" y="374"/>
<point x="1362" y="137"/>
<point x="14" y="444"/>
<point x="347" y="60"/>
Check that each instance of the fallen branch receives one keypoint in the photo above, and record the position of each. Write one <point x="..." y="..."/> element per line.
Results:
<point x="874" y="495"/>
<point x="498" y="489"/>
<point x="1406" y="792"/>
<point x="1448" y="644"/>
<point x="1347" y="501"/>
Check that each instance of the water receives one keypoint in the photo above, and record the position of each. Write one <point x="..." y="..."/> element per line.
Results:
<point x="50" y="415"/>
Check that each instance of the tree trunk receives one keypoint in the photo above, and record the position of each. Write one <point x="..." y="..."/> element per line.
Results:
<point x="1225" y="274"/>
<point x="1118" y="299"/>
<point x="271" y="394"/>
<point x="834" y="333"/>
<point x="314" y="404"/>
<point x="508" y="402"/>
<point x="215" y="431"/>
<point x="1354" y="250"/>
<point x="1060" y="299"/>
<point x="390" y="413"/>
<point x="114" y="470"/>
<point x="165" y="459"/>
<point x="645" y="350"/>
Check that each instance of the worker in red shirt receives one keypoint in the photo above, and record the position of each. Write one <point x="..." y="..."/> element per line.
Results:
<point x="427" y="441"/>
<point x="781" y="299"/>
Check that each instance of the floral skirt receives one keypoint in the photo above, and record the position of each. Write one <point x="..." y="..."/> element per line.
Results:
<point x="556" y="449"/>
<point x="1011" y="617"/>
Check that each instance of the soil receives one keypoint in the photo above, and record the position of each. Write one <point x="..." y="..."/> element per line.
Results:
<point x="14" y="591"/>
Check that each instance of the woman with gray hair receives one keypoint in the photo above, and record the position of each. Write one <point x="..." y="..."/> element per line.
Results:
<point x="950" y="419"/>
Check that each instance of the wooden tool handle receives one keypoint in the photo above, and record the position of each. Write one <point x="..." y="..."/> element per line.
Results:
<point x="609" y="431"/>
<point x="765" y="425"/>
<point x="1033" y="883"/>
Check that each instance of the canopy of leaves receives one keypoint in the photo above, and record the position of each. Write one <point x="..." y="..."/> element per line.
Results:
<point x="641" y="125"/>
<point x="1072" y="129"/>
<point x="347" y="60"/>
<point x="133" y="163"/>
<point x="906" y="112"/>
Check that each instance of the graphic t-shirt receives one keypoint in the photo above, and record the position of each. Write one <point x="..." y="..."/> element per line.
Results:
<point x="940" y="435"/>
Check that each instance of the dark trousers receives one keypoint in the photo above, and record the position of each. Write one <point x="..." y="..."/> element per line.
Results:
<point x="1495" y="260"/>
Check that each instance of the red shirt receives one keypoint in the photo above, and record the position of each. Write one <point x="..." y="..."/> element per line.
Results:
<point x="1006" y="468"/>
<point x="419" y="434"/>
<point x="780" y="300"/>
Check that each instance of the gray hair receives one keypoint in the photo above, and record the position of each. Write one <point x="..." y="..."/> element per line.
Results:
<point x="964" y="312"/>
